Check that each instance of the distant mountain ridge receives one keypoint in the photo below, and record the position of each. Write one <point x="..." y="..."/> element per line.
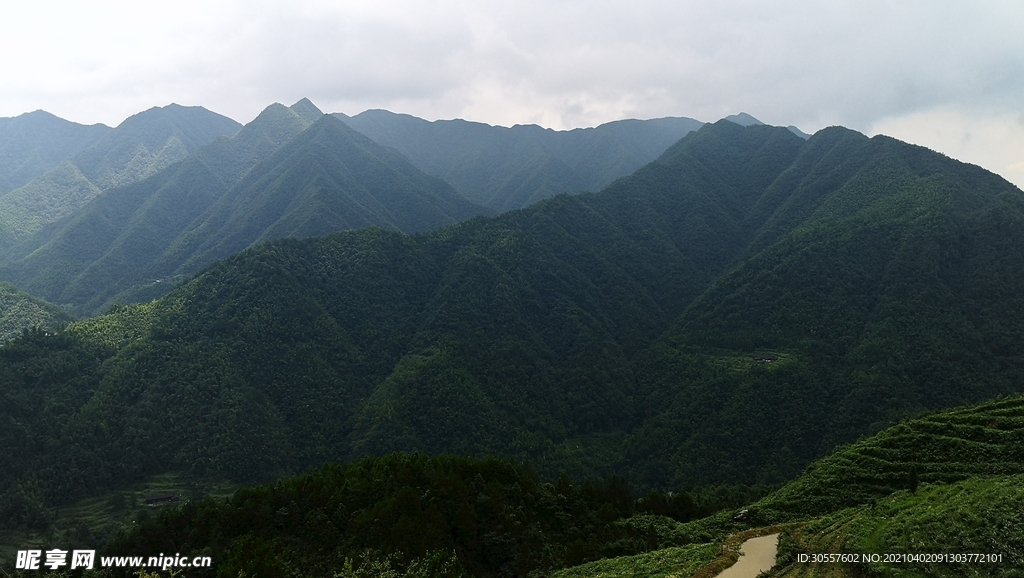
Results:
<point x="507" y="168"/>
<point x="141" y="146"/>
<point x="35" y="142"/>
<point x="270" y="180"/>
<point x="744" y="119"/>
<point x="510" y="168"/>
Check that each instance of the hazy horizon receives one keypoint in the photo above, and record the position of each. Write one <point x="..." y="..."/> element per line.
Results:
<point x="943" y="75"/>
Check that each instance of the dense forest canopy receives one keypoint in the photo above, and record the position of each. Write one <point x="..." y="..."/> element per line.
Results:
<point x="895" y="492"/>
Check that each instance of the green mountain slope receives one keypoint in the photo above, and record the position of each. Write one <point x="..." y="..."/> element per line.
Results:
<point x="115" y="242"/>
<point x="35" y="142"/>
<point x="328" y="179"/>
<point x="150" y="141"/>
<point x="510" y="168"/>
<point x="890" y="297"/>
<point x="981" y="441"/>
<point x="139" y="147"/>
<point x="728" y="313"/>
<point x="19" y="311"/>
<point x="947" y="483"/>
<point x="266" y="182"/>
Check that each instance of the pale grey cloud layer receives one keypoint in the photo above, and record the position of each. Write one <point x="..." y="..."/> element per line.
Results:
<point x="948" y="75"/>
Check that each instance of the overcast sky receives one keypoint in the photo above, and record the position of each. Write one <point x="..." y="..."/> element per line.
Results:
<point x="947" y="75"/>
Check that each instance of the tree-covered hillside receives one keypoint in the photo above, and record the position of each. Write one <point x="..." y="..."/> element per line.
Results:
<point x="948" y="482"/>
<point x="141" y="146"/>
<point x="510" y="168"/>
<point x="726" y="314"/>
<point x="35" y="142"/>
<point x="19" y="312"/>
<point x="484" y="517"/>
<point x="938" y="495"/>
<point x="271" y="180"/>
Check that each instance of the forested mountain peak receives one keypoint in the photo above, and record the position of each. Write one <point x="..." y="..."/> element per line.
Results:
<point x="307" y="110"/>
<point x="743" y="119"/>
<point x="34" y="142"/>
<point x="140" y="147"/>
<point x="194" y="126"/>
<point x="273" y="127"/>
<point x="326" y="179"/>
<point x="277" y="177"/>
<point x="509" y="168"/>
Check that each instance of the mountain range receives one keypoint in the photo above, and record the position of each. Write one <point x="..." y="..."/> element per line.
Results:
<point x="173" y="201"/>
<point x="273" y="179"/>
<point x="510" y="168"/>
<point x="726" y="314"/>
<point x="75" y="164"/>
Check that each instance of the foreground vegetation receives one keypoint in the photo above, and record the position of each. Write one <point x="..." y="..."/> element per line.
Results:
<point x="496" y="516"/>
<point x="414" y="515"/>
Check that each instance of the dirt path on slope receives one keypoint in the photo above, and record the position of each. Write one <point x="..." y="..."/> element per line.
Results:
<point x="756" y="556"/>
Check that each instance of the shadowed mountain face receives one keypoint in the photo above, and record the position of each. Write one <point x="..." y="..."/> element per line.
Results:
<point x="726" y="314"/>
<point x="141" y="146"/>
<point x="21" y="312"/>
<point x="273" y="179"/>
<point x="510" y="168"/>
<point x="35" y="142"/>
<point x="150" y="141"/>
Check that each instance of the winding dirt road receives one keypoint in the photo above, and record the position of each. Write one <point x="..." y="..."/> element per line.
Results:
<point x="756" y="556"/>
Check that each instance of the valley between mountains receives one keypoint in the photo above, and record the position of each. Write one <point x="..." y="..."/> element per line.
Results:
<point x="505" y="374"/>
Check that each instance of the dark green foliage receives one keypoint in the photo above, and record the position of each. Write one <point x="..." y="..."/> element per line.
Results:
<point x="495" y="515"/>
<point x="46" y="381"/>
<point x="20" y="311"/>
<point x="510" y="168"/>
